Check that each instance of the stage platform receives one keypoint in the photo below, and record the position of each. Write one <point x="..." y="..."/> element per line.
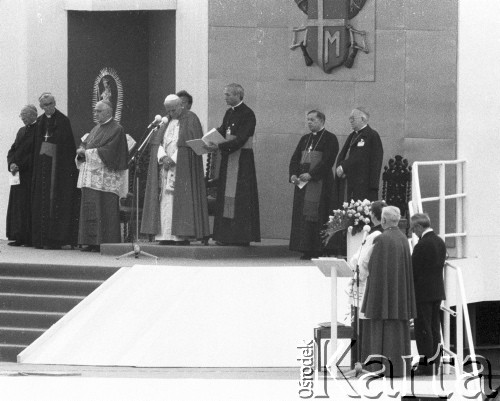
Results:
<point x="268" y="251"/>
<point x="197" y="250"/>
<point x="185" y="316"/>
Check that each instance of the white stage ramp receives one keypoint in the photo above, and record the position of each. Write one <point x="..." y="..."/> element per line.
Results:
<point x="178" y="316"/>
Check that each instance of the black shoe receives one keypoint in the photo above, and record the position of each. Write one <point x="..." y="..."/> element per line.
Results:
<point x="305" y="256"/>
<point x="182" y="243"/>
<point x="15" y="243"/>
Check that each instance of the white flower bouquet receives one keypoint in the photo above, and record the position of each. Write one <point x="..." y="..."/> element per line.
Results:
<point x="353" y="216"/>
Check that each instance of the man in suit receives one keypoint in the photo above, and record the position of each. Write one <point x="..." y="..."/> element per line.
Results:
<point x="359" y="162"/>
<point x="428" y="260"/>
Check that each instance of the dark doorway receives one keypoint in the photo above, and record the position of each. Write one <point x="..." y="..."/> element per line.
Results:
<point x="134" y="51"/>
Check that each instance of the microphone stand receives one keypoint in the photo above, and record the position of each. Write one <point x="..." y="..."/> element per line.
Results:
<point x="358" y="366"/>
<point x="135" y="158"/>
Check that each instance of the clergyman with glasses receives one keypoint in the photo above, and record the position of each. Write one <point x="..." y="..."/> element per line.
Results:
<point x="56" y="199"/>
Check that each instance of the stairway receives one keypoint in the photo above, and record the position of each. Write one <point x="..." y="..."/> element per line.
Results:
<point x="35" y="296"/>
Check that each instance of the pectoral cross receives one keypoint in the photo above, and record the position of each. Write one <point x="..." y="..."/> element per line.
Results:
<point x="310" y="148"/>
<point x="47" y="136"/>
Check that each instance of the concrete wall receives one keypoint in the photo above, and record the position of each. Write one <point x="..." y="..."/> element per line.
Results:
<point x="478" y="130"/>
<point x="14" y="89"/>
<point x="33" y="45"/>
<point x="191" y="72"/>
<point x="412" y="99"/>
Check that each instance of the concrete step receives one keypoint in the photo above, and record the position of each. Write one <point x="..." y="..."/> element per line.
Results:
<point x="39" y="302"/>
<point x="49" y="286"/>
<point x="56" y="271"/>
<point x="8" y="352"/>
<point x="35" y="296"/>
<point x="29" y="319"/>
<point x="19" y="335"/>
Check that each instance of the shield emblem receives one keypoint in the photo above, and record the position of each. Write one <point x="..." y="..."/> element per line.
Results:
<point x="328" y="38"/>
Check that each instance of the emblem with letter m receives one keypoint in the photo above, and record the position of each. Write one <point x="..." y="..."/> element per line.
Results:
<point x="329" y="39"/>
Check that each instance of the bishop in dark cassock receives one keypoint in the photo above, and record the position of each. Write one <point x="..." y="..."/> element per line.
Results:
<point x="56" y="199"/>
<point x="389" y="300"/>
<point x="311" y="164"/>
<point x="20" y="160"/>
<point x="237" y="220"/>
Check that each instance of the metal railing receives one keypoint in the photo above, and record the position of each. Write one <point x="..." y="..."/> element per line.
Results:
<point x="459" y="195"/>
<point x="462" y="316"/>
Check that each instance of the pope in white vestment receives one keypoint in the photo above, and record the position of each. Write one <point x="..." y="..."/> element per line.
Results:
<point x="167" y="176"/>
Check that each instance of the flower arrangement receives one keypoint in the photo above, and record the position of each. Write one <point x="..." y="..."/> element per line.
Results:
<point x="353" y="216"/>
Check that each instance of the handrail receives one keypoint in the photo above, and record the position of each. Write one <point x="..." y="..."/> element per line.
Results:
<point x="462" y="315"/>
<point x="460" y="196"/>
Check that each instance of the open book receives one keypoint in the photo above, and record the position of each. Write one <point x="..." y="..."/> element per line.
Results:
<point x="198" y="145"/>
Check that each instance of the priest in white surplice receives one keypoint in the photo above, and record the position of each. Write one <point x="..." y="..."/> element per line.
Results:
<point x="102" y="161"/>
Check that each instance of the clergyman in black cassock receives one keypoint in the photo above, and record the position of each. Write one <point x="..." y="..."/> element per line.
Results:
<point x="20" y="160"/>
<point x="360" y="161"/>
<point x="358" y="170"/>
<point x="312" y="163"/>
<point x="237" y="220"/>
<point x="56" y="199"/>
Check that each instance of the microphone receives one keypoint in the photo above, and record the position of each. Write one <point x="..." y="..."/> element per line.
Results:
<point x="156" y="121"/>
<point x="164" y="120"/>
<point x="366" y="231"/>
